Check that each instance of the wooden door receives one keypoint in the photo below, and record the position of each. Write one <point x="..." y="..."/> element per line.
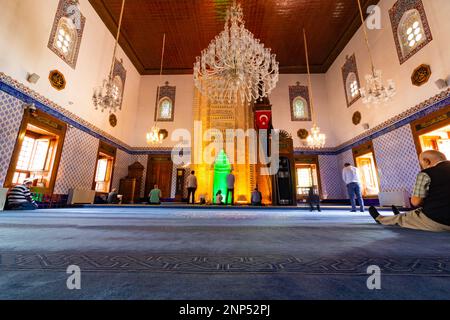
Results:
<point x="159" y="171"/>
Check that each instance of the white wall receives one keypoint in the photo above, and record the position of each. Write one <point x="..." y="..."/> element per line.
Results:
<point x="436" y="53"/>
<point x="279" y="98"/>
<point x="25" y="27"/>
<point x="183" y="116"/>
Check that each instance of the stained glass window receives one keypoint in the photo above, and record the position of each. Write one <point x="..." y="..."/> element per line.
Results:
<point x="300" y="108"/>
<point x="411" y="31"/>
<point x="165" y="109"/>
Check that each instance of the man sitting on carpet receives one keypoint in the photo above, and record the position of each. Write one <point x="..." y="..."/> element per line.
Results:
<point x="19" y="197"/>
<point x="431" y="194"/>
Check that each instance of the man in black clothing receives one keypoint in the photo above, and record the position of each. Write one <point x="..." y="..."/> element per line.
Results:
<point x="431" y="195"/>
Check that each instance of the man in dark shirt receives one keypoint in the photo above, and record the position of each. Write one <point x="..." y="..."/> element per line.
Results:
<point x="19" y="197"/>
<point x="113" y="197"/>
<point x="431" y="194"/>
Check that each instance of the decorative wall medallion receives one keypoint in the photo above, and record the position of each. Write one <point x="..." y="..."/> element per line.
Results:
<point x="113" y="120"/>
<point x="421" y="75"/>
<point x="164" y="133"/>
<point x="356" y="119"/>
<point x="57" y="80"/>
<point x="302" y="134"/>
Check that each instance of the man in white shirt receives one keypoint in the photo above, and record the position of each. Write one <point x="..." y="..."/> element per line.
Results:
<point x="192" y="187"/>
<point x="230" y="187"/>
<point x="350" y="175"/>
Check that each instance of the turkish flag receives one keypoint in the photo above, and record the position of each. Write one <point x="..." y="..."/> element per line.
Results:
<point x="262" y="119"/>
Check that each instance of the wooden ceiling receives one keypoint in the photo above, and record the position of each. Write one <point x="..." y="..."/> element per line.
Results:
<point x="190" y="25"/>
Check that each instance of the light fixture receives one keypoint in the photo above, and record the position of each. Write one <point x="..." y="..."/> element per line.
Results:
<point x="108" y="96"/>
<point x="33" y="78"/>
<point x="156" y="135"/>
<point x="375" y="91"/>
<point x="236" y="66"/>
<point x="315" y="138"/>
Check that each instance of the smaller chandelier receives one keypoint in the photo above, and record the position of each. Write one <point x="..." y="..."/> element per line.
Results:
<point x="109" y="95"/>
<point x="375" y="92"/>
<point x="155" y="135"/>
<point x="316" y="139"/>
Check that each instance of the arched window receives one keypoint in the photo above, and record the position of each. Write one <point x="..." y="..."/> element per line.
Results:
<point x="165" y="109"/>
<point x="410" y="28"/>
<point x="300" y="109"/>
<point x="352" y="86"/>
<point x="410" y="31"/>
<point x="67" y="32"/>
<point x="65" y="38"/>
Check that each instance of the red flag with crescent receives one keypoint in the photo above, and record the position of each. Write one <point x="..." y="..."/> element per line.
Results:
<point x="262" y="119"/>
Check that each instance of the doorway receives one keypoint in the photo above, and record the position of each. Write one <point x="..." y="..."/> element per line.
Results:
<point x="307" y="176"/>
<point x="159" y="171"/>
<point x="433" y="132"/>
<point x="365" y="161"/>
<point x="37" y="152"/>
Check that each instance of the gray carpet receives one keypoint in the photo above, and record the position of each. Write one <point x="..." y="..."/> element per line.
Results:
<point x="171" y="253"/>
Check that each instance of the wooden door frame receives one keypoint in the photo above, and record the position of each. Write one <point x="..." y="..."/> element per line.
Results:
<point x="49" y="123"/>
<point x="313" y="159"/>
<point x="361" y="150"/>
<point x="429" y="123"/>
<point x="151" y="158"/>
<point x="111" y="151"/>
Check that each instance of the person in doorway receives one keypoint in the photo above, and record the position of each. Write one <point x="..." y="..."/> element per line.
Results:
<point x="19" y="197"/>
<point x="350" y="175"/>
<point x="256" y="197"/>
<point x="431" y="195"/>
<point x="155" y="195"/>
<point x="219" y="197"/>
<point x="313" y="199"/>
<point x="230" y="187"/>
<point x="191" y="187"/>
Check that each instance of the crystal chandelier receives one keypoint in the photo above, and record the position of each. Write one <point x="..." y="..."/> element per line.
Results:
<point x="155" y="135"/>
<point x="375" y="91"/>
<point x="109" y="96"/>
<point x="236" y="65"/>
<point x="315" y="138"/>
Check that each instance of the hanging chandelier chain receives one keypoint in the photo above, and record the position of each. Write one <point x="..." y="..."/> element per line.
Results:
<point x="311" y="102"/>
<point x="119" y="28"/>
<point x="366" y="36"/>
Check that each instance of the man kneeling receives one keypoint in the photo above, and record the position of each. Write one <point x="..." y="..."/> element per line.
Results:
<point x="19" y="197"/>
<point x="431" y="194"/>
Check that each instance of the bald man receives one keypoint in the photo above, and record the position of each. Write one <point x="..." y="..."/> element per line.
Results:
<point x="431" y="193"/>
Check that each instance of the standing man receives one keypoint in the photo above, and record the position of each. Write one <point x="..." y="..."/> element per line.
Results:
<point x="230" y="187"/>
<point x="352" y="180"/>
<point x="431" y="194"/>
<point x="192" y="187"/>
<point x="19" y="197"/>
